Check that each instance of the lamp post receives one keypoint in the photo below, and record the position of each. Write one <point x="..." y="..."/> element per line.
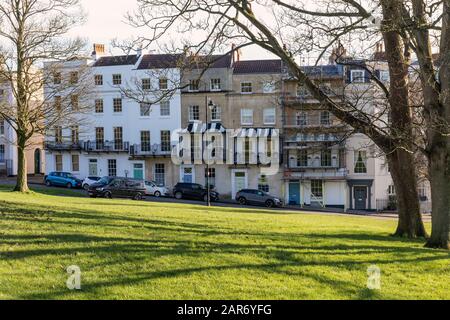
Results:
<point x="209" y="105"/>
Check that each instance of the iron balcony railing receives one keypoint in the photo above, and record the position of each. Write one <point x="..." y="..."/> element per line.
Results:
<point x="295" y="123"/>
<point x="63" y="145"/>
<point x="150" y="150"/>
<point x="304" y="138"/>
<point x="106" y="146"/>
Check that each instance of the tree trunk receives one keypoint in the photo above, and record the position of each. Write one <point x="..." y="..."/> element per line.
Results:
<point x="440" y="187"/>
<point x="22" y="178"/>
<point x="401" y="159"/>
<point x="439" y="146"/>
<point x="410" y="223"/>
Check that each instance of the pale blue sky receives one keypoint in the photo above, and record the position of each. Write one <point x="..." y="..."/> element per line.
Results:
<point x="105" y="21"/>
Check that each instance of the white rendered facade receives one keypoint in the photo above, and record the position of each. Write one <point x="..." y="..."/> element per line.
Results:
<point x="110" y="136"/>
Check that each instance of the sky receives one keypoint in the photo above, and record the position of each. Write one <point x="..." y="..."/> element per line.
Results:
<point x="105" y="22"/>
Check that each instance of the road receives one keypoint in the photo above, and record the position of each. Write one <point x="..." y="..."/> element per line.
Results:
<point x="37" y="184"/>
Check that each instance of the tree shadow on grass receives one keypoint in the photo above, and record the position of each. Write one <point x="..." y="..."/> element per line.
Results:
<point x="281" y="252"/>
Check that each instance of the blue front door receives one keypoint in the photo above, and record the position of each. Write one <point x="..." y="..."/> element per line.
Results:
<point x="294" y="193"/>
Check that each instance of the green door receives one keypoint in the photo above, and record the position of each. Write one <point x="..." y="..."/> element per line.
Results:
<point x="138" y="171"/>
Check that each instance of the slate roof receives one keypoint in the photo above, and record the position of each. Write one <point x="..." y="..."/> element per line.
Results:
<point x="160" y="61"/>
<point x="116" y="61"/>
<point x="211" y="62"/>
<point x="257" y="66"/>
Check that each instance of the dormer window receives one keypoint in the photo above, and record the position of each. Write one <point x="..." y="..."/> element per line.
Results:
<point x="269" y="87"/>
<point x="384" y="76"/>
<point x="215" y="85"/>
<point x="194" y="85"/>
<point x="302" y="91"/>
<point x="357" y="76"/>
<point x="246" y="87"/>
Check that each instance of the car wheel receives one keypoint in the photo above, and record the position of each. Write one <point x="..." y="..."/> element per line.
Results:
<point x="270" y="204"/>
<point x="69" y="185"/>
<point x="178" y="195"/>
<point x="157" y="194"/>
<point x="242" y="201"/>
<point x="108" y="195"/>
<point x="86" y="186"/>
<point x="137" y="197"/>
<point x="48" y="183"/>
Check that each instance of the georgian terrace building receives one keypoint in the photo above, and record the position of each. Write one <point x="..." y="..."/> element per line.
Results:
<point x="318" y="165"/>
<point x="120" y="136"/>
<point x="242" y="96"/>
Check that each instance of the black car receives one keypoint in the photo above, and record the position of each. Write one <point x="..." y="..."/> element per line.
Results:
<point x="193" y="191"/>
<point x="113" y="187"/>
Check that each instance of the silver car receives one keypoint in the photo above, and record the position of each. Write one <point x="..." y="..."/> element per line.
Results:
<point x="259" y="198"/>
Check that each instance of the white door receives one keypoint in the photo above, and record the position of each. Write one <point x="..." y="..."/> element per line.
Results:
<point x="239" y="181"/>
<point x="93" y="172"/>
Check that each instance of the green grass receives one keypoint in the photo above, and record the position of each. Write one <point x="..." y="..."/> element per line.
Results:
<point x="138" y="250"/>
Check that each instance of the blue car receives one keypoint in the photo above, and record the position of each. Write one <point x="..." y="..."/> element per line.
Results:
<point x="62" y="179"/>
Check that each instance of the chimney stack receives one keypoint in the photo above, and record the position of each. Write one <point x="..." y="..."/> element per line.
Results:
<point x="236" y="53"/>
<point x="99" y="51"/>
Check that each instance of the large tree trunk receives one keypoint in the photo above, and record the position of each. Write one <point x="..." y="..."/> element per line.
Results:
<point x="410" y="223"/>
<point x="22" y="178"/>
<point x="440" y="187"/>
<point x="439" y="145"/>
<point x="401" y="159"/>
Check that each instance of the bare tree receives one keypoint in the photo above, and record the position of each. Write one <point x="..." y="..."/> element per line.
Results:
<point x="289" y="29"/>
<point x="31" y="32"/>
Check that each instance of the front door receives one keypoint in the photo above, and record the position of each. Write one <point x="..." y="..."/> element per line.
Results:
<point x="187" y="175"/>
<point x="37" y="161"/>
<point x="294" y="194"/>
<point x="138" y="171"/>
<point x="93" y="172"/>
<point x="239" y="182"/>
<point x="360" y="198"/>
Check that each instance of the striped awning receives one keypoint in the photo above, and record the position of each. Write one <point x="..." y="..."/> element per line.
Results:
<point x="256" y="133"/>
<point x="199" y="128"/>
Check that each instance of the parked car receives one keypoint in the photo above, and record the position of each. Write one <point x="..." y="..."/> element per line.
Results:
<point x="152" y="189"/>
<point x="118" y="188"/>
<point x="257" y="197"/>
<point x="193" y="191"/>
<point x="89" y="181"/>
<point x="102" y="182"/>
<point x="62" y="179"/>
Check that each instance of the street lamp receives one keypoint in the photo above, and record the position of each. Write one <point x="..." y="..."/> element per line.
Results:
<point x="209" y="105"/>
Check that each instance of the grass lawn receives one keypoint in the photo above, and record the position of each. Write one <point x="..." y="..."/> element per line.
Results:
<point x="139" y="250"/>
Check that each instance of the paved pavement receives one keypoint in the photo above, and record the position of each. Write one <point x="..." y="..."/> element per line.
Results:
<point x="37" y="182"/>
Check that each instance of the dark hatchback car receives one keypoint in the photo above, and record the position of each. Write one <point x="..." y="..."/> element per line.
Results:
<point x="112" y="187"/>
<point x="258" y="198"/>
<point x="193" y="191"/>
